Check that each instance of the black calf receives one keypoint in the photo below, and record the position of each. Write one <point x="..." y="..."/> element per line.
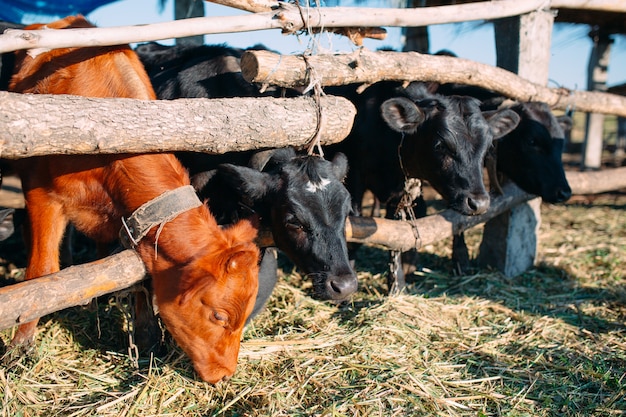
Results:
<point x="531" y="154"/>
<point x="402" y="133"/>
<point x="304" y="203"/>
<point x="199" y="71"/>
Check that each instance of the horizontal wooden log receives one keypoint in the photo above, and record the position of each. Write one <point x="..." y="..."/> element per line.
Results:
<point x="596" y="182"/>
<point x="404" y="235"/>
<point x="77" y="285"/>
<point x="290" y="20"/>
<point x="615" y="6"/>
<point x="367" y="67"/>
<point x="33" y="125"/>
<point x="286" y="17"/>
<point x="254" y="6"/>
<point x="73" y="286"/>
<point x="600" y="5"/>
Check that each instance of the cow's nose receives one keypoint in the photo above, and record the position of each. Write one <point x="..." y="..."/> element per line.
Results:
<point x="477" y="203"/>
<point x="341" y="287"/>
<point x="563" y="195"/>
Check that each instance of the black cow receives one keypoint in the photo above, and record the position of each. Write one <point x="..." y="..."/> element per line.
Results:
<point x="304" y="203"/>
<point x="300" y="198"/>
<point x="530" y="156"/>
<point x="410" y="132"/>
<point x="401" y="133"/>
<point x="200" y="71"/>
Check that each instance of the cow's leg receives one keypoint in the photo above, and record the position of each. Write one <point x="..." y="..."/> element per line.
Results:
<point x="268" y="277"/>
<point x="147" y="332"/>
<point x="460" y="254"/>
<point x="46" y="226"/>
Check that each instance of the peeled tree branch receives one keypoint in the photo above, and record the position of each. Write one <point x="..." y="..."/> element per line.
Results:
<point x="289" y="19"/>
<point x="367" y="67"/>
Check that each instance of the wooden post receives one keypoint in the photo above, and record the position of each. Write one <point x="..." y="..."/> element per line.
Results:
<point x="416" y="37"/>
<point x="620" y="143"/>
<point x="510" y="240"/>
<point x="184" y="9"/>
<point x="597" y="73"/>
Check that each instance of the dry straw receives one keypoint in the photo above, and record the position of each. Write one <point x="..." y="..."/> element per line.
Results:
<point x="549" y="342"/>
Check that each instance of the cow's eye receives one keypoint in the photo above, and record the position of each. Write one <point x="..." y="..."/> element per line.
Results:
<point x="293" y="224"/>
<point x="444" y="146"/>
<point x="220" y="317"/>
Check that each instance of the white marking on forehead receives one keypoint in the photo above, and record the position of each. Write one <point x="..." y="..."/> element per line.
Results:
<point x="314" y="187"/>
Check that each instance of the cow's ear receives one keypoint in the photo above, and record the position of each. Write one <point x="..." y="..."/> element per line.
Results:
<point x="200" y="180"/>
<point x="247" y="182"/>
<point x="402" y="115"/>
<point x="566" y="123"/>
<point x="340" y="166"/>
<point x="501" y="122"/>
<point x="269" y="159"/>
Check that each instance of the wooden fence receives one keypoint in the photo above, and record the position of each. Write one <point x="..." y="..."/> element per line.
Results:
<point x="24" y="122"/>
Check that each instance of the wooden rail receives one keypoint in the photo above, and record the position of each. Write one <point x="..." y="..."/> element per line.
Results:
<point x="77" y="285"/>
<point x="289" y="19"/>
<point x="108" y="125"/>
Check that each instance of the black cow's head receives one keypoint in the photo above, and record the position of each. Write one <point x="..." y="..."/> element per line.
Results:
<point x="531" y="154"/>
<point x="445" y="140"/>
<point x="305" y="204"/>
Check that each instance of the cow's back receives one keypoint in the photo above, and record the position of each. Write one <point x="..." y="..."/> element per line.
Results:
<point x="71" y="70"/>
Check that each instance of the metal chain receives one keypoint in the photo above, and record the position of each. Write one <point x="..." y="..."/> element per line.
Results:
<point x="126" y="305"/>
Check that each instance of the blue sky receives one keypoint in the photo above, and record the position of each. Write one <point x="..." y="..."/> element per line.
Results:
<point x="570" y="44"/>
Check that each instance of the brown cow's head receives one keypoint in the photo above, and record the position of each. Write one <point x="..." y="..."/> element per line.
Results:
<point x="207" y="308"/>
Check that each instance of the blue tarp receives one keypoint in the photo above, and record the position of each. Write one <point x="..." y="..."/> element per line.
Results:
<point x="31" y="11"/>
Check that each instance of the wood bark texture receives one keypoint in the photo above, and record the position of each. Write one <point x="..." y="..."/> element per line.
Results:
<point x="367" y="67"/>
<point x="404" y="235"/>
<point x="600" y="5"/>
<point x="73" y="286"/>
<point x="33" y="125"/>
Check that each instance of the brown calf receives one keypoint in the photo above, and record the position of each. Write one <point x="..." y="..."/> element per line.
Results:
<point x="204" y="278"/>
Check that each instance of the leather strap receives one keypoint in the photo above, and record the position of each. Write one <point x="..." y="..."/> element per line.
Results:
<point x="157" y="211"/>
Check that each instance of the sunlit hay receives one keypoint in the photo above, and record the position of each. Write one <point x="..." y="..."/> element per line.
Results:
<point x="551" y="341"/>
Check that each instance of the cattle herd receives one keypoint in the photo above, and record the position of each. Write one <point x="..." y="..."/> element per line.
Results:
<point x="193" y="218"/>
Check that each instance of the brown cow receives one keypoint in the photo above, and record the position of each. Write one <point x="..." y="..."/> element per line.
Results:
<point x="204" y="278"/>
